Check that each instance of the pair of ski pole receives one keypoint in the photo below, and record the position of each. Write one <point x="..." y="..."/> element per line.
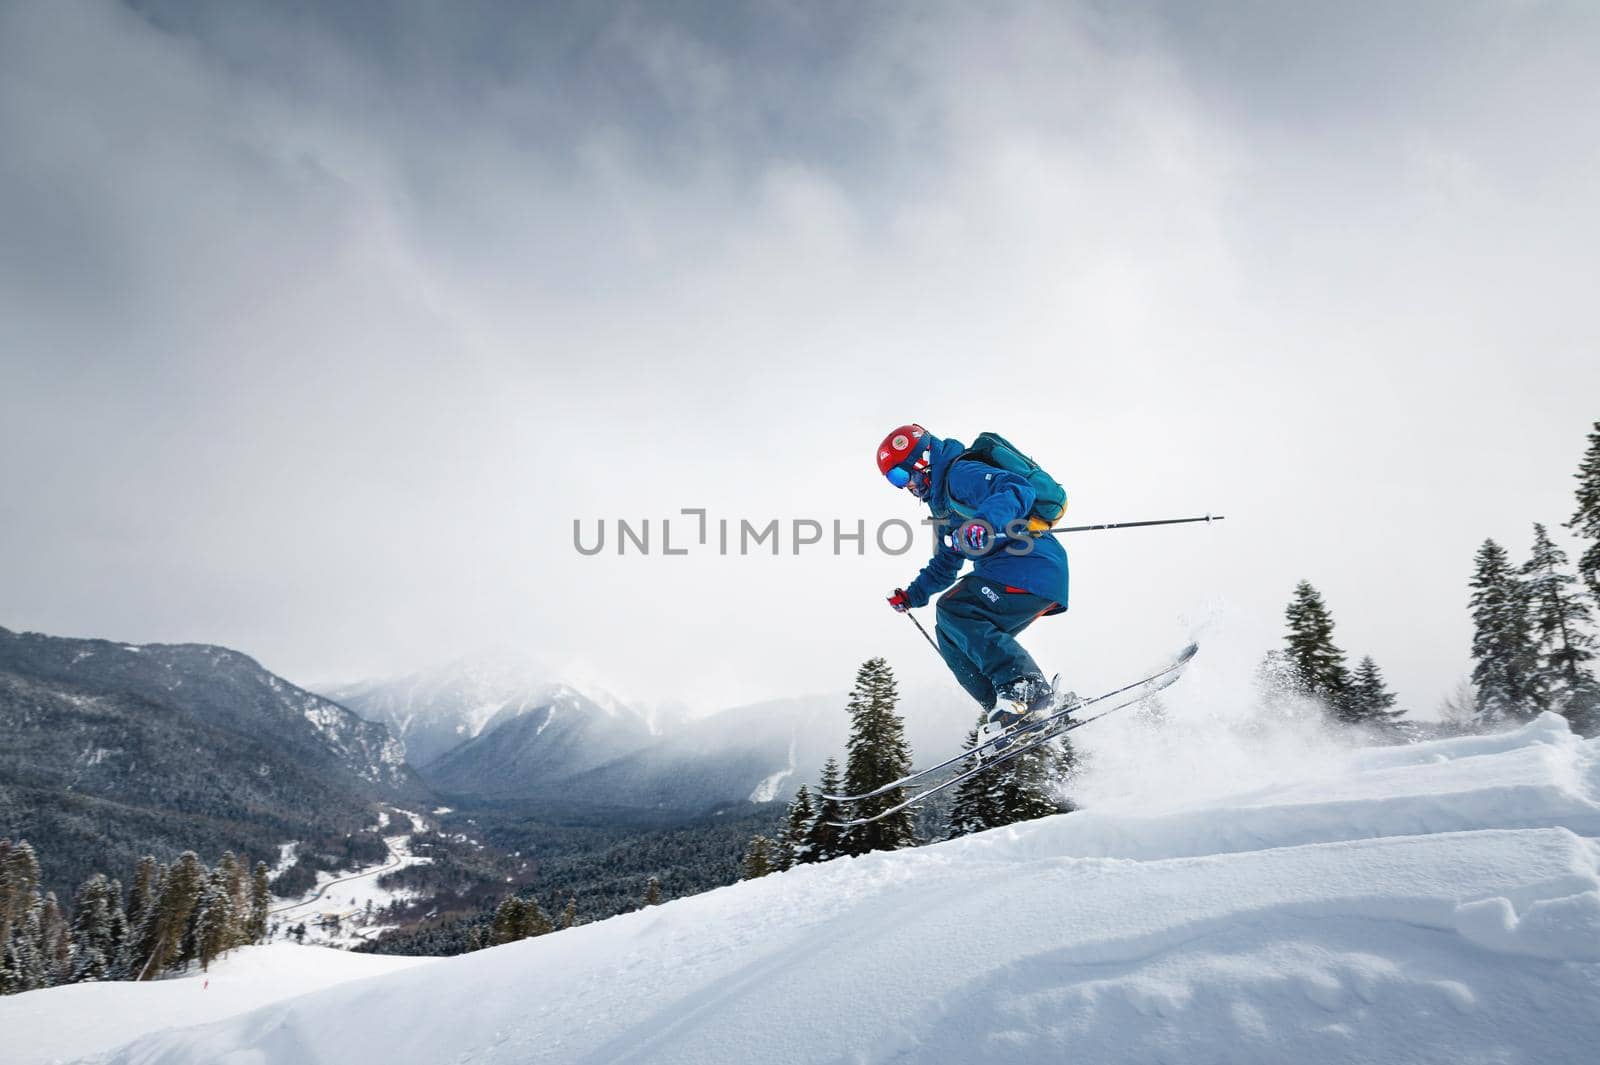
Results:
<point x="1208" y="519"/>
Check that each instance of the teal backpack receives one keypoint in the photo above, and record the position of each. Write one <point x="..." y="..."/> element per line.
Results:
<point x="1050" y="499"/>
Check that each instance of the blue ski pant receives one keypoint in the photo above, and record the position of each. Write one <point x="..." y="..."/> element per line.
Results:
<point x="978" y="623"/>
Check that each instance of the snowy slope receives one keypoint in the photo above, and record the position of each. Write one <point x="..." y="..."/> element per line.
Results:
<point x="67" y="1023"/>
<point x="1439" y="902"/>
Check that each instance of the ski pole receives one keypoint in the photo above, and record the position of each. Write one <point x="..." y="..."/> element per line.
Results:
<point x="1000" y="537"/>
<point x="1135" y="524"/>
<point x="924" y="632"/>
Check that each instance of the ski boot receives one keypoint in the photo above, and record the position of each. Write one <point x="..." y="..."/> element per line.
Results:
<point x="1016" y="702"/>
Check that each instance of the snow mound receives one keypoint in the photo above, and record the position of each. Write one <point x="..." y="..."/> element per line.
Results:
<point x="67" y="1023"/>
<point x="1439" y="902"/>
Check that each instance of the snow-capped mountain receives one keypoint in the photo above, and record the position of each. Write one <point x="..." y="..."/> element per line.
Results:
<point x="760" y="753"/>
<point x="532" y="746"/>
<point x="136" y="747"/>
<point x="436" y="710"/>
<point x="1436" y="902"/>
<point x="495" y="731"/>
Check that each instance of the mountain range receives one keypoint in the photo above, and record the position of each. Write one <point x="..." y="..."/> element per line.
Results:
<point x="495" y="733"/>
<point x="116" y="750"/>
<point x="433" y="711"/>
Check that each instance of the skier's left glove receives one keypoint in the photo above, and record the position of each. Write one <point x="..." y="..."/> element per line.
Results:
<point x="975" y="535"/>
<point x="899" y="601"/>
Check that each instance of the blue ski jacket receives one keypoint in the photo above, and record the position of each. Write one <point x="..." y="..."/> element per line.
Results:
<point x="998" y="497"/>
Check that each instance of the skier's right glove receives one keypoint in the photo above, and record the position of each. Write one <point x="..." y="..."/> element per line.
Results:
<point x="899" y="601"/>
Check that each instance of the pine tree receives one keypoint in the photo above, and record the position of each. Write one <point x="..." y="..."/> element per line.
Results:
<point x="236" y="881"/>
<point x="652" y="892"/>
<point x="95" y="928"/>
<point x="975" y="806"/>
<point x="22" y="955"/>
<point x="1563" y="648"/>
<point x="1585" y="521"/>
<point x="792" y="848"/>
<point x="26" y="963"/>
<point x="1502" y="643"/>
<point x="172" y="914"/>
<point x="120" y="936"/>
<point x="877" y="754"/>
<point x="144" y="919"/>
<point x="146" y="887"/>
<point x="19" y="877"/>
<point x="510" y="921"/>
<point x="1369" y="700"/>
<point x="255" y="929"/>
<point x="535" y="922"/>
<point x="1027" y="785"/>
<point x="1317" y="663"/>
<point x="823" y="838"/>
<point x="757" y="858"/>
<point x="569" y="916"/>
<point x="215" y="925"/>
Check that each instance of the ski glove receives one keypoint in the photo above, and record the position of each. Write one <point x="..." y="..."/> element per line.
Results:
<point x="899" y="601"/>
<point x="975" y="535"/>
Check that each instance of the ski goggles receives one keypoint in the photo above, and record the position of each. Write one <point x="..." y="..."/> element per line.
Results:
<point x="900" y="476"/>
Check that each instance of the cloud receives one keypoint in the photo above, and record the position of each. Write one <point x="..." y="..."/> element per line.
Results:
<point x="324" y="324"/>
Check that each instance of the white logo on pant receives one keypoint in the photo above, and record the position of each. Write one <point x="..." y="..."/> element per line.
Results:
<point x="988" y="593"/>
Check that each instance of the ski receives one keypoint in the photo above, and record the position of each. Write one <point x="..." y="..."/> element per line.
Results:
<point x="1178" y="662"/>
<point x="1152" y="684"/>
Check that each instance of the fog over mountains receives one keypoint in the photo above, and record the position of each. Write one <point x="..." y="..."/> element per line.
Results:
<point x="435" y="710"/>
<point x="499" y="732"/>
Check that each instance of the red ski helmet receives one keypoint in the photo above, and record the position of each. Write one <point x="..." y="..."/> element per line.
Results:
<point x="900" y="445"/>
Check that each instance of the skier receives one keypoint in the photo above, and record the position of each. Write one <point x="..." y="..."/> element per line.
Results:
<point x="983" y="494"/>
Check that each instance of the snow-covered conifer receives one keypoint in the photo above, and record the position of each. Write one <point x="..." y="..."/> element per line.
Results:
<point x="19" y="876"/>
<point x="822" y="838"/>
<point x="1028" y="786"/>
<point x="1317" y="663"/>
<point x="170" y="916"/>
<point x="144" y="923"/>
<point x="1585" y="521"/>
<point x="974" y="807"/>
<point x="652" y="892"/>
<point x="236" y="881"/>
<point x="878" y="754"/>
<point x="757" y="858"/>
<point x="1369" y="700"/>
<point x="215" y="927"/>
<point x="95" y="945"/>
<point x="27" y="968"/>
<point x="510" y="921"/>
<point x="255" y="929"/>
<point x="1560" y="620"/>
<point x="1506" y="673"/>
<point x="792" y="847"/>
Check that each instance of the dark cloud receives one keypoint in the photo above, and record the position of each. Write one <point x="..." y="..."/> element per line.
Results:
<point x="320" y="323"/>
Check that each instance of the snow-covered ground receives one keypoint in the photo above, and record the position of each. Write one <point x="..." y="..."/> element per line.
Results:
<point x="1432" y="903"/>
<point x="64" y="1024"/>
<point x="345" y="909"/>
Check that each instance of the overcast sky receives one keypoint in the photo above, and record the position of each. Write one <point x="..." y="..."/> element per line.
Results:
<point x="320" y="324"/>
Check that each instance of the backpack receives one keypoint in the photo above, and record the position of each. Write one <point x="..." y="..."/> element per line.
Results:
<point x="1049" y="498"/>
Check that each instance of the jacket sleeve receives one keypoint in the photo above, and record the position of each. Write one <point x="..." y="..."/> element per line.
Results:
<point x="939" y="574"/>
<point x="997" y="496"/>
